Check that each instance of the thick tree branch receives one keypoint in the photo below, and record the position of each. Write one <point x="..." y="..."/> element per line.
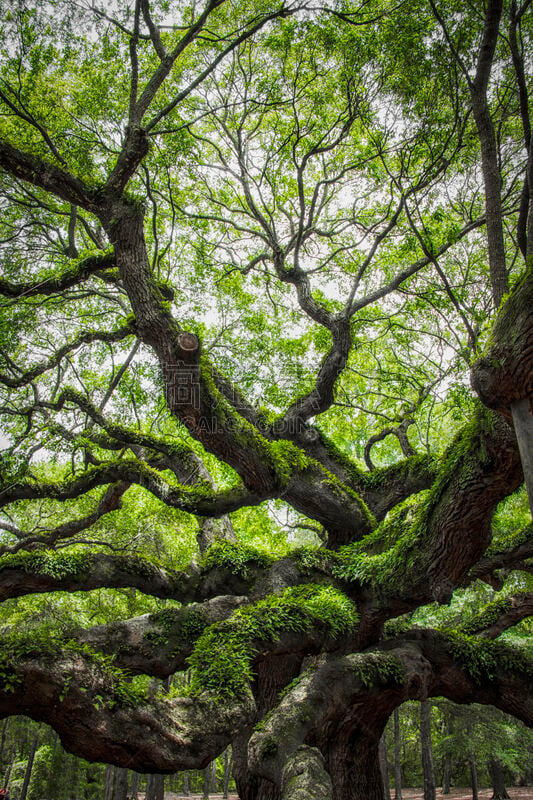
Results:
<point x="98" y="715"/>
<point x="48" y="177"/>
<point x="56" y="284"/>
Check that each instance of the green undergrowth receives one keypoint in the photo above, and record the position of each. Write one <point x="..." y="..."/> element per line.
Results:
<point x="483" y="659"/>
<point x="45" y="645"/>
<point x="222" y="659"/>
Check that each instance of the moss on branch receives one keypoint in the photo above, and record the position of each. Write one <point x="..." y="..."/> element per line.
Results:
<point x="223" y="656"/>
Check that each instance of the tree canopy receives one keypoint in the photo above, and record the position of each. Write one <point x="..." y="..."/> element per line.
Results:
<point x="266" y="357"/>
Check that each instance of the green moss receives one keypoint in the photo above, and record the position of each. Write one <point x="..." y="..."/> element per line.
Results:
<point x="238" y="559"/>
<point x="512" y="540"/>
<point x="401" y="545"/>
<point x="314" y="559"/>
<point x="482" y="659"/>
<point x="384" y="556"/>
<point x="48" y="645"/>
<point x="378" y="668"/>
<point x="354" y="472"/>
<point x="177" y="626"/>
<point x="281" y="457"/>
<point x="382" y="477"/>
<point x="487" y="617"/>
<point x="222" y="659"/>
<point x="47" y="562"/>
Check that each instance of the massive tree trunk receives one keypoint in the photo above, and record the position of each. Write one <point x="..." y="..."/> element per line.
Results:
<point x="354" y="768"/>
<point x="272" y="675"/>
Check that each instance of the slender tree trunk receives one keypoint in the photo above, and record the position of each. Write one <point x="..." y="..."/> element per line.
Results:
<point x="214" y="776"/>
<point x="121" y="784"/>
<point x="228" y="763"/>
<point x="109" y="782"/>
<point x="27" y="775"/>
<point x="427" y="751"/>
<point x="496" y="775"/>
<point x="397" y="757"/>
<point x="472" y="762"/>
<point x="8" y="773"/>
<point x="186" y="789"/>
<point x="207" y="782"/>
<point x="384" y="766"/>
<point x="3" y="741"/>
<point x="447" y="765"/>
<point x="135" y="780"/>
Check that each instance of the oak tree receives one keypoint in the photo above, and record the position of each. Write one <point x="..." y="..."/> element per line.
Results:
<point x="252" y="254"/>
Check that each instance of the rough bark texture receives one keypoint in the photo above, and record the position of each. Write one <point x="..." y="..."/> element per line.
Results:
<point x="428" y="768"/>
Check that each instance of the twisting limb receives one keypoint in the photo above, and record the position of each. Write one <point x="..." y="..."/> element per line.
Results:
<point x="111" y="501"/>
<point x="195" y="501"/>
<point x="500" y="615"/>
<point x="52" y="361"/>
<point x="513" y="558"/>
<point x="99" y="716"/>
<point x="72" y="276"/>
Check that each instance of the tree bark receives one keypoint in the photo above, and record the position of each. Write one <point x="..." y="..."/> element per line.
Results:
<point x="427" y="751"/>
<point x="355" y="770"/>
<point x="228" y="764"/>
<point x="121" y="784"/>
<point x="109" y="782"/>
<point x="447" y="761"/>
<point x="27" y="775"/>
<point x="496" y="776"/>
<point x="134" y="789"/>
<point x="472" y="762"/>
<point x="397" y="757"/>
<point x="384" y="766"/>
<point x="272" y="675"/>
<point x="207" y="782"/>
<point x="155" y="787"/>
<point x="186" y="790"/>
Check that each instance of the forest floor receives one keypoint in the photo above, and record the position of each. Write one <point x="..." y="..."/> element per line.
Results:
<point x="515" y="793"/>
